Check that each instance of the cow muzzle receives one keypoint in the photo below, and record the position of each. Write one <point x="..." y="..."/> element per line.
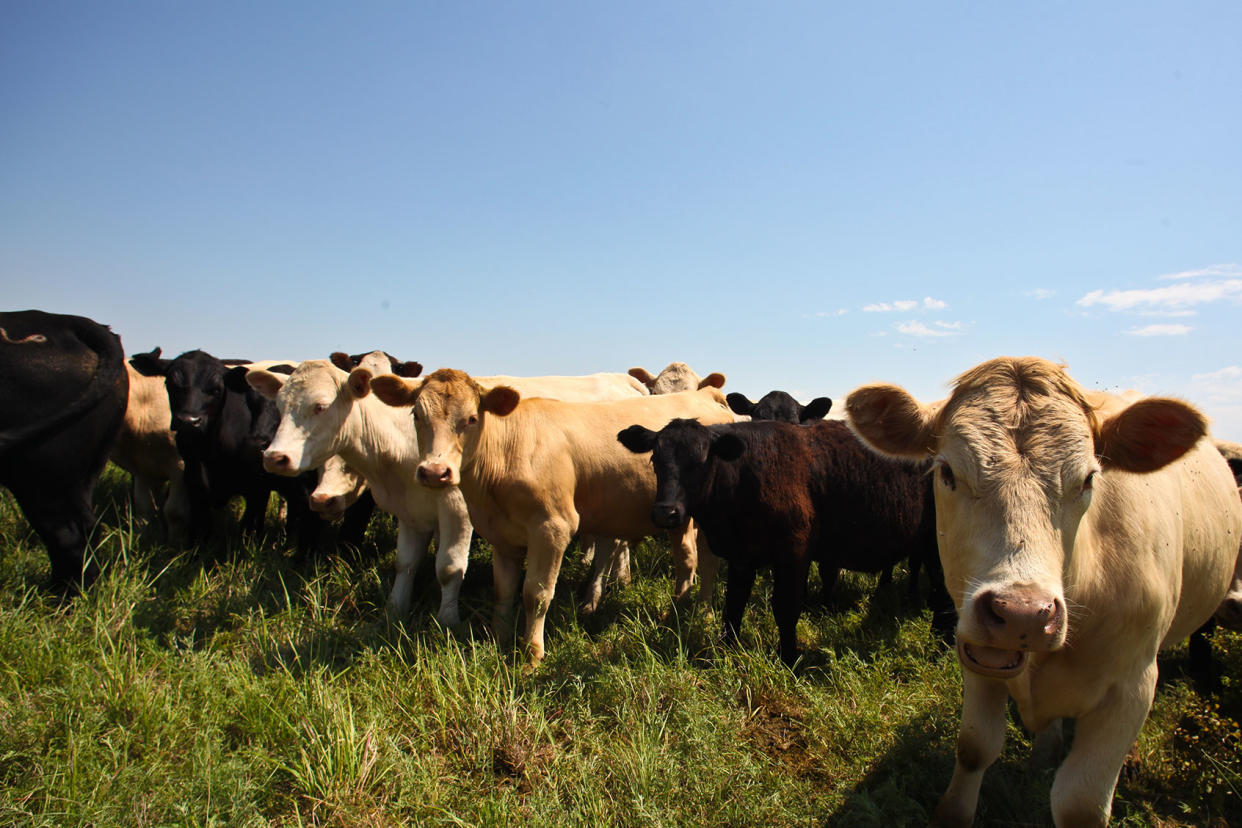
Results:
<point x="1005" y="626"/>
<point x="187" y="422"/>
<point x="435" y="475"/>
<point x="668" y="515"/>
<point x="277" y="462"/>
<point x="330" y="507"/>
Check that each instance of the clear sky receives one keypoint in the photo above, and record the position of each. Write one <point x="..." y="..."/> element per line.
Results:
<point x="805" y="196"/>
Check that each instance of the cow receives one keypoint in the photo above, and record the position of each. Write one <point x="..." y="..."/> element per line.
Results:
<point x="1080" y="532"/>
<point x="221" y="428"/>
<point x="535" y="472"/>
<point x="774" y="494"/>
<point x="147" y="448"/>
<point x="1229" y="614"/>
<point x="781" y="406"/>
<point x="584" y="388"/>
<point x="676" y="376"/>
<point x="63" y="393"/>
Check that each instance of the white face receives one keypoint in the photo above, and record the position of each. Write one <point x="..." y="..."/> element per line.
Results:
<point x="314" y="404"/>
<point x="1008" y="508"/>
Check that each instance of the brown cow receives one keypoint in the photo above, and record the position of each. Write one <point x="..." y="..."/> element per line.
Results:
<point x="1079" y="534"/>
<point x="536" y="472"/>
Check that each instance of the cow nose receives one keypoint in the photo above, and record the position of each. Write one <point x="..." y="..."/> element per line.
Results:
<point x="277" y="461"/>
<point x="667" y="515"/>
<point x="187" y="421"/>
<point x="435" y="475"/>
<point x="1020" y="617"/>
<point x="325" y="504"/>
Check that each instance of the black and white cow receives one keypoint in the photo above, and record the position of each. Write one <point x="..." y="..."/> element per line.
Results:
<point x="771" y="494"/>
<point x="63" y="392"/>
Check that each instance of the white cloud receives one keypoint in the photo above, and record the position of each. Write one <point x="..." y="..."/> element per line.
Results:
<point x="1223" y="386"/>
<point x="919" y="329"/>
<point x="950" y="326"/>
<point x="1040" y="293"/>
<point x="1174" y="297"/>
<point x="1211" y="270"/>
<point x="830" y="314"/>
<point x="905" y="305"/>
<point x="1161" y="330"/>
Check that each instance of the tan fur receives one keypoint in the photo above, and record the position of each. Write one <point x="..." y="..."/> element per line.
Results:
<point x="145" y="446"/>
<point x="676" y="376"/>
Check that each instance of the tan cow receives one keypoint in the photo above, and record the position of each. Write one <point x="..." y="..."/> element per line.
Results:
<point x="1078" y="537"/>
<point x="535" y="472"/>
<point x="585" y="388"/>
<point x="145" y="447"/>
<point x="676" y="376"/>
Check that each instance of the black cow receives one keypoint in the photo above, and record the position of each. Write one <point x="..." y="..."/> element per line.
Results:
<point x="781" y="495"/>
<point x="63" y="391"/>
<point x="222" y="426"/>
<point x="780" y="406"/>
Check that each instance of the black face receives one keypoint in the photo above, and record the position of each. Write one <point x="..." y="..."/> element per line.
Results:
<point x="780" y="406"/>
<point x="195" y="382"/>
<point x="680" y="456"/>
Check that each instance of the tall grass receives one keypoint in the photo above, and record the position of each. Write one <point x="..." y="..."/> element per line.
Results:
<point x="228" y="686"/>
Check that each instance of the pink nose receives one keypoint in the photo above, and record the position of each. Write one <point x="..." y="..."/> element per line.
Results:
<point x="277" y="462"/>
<point x="1021" y="619"/>
<point x="325" y="504"/>
<point x="435" y="475"/>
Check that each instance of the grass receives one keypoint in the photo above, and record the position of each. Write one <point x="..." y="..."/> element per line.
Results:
<point x="230" y="687"/>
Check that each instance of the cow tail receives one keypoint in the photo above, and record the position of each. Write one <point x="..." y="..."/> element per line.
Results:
<point x="109" y="369"/>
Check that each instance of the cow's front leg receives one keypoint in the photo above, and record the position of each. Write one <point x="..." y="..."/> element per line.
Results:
<point x="452" y="556"/>
<point x="411" y="547"/>
<point x="1082" y="793"/>
<point x="788" y="593"/>
<point x="737" y="593"/>
<point x="543" y="565"/>
<point x="709" y="568"/>
<point x="506" y="577"/>
<point x="685" y="560"/>
<point x="979" y="742"/>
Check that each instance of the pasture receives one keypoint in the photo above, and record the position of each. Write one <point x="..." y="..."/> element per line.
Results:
<point x="228" y="686"/>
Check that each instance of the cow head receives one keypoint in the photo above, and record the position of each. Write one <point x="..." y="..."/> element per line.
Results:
<point x="1019" y="455"/>
<point x="777" y="405"/>
<point x="676" y="376"/>
<point x="339" y="488"/>
<point x="195" y="383"/>
<point x="682" y="454"/>
<point x="377" y="362"/>
<point x="449" y="409"/>
<point x="314" y="402"/>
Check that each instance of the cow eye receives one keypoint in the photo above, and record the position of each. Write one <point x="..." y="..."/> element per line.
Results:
<point x="321" y="407"/>
<point x="1088" y="483"/>
<point x="473" y="419"/>
<point x="946" y="476"/>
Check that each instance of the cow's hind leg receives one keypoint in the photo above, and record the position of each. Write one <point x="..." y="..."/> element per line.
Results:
<point x="62" y="519"/>
<point x="979" y="743"/>
<point x="788" y="593"/>
<point x="506" y="578"/>
<point x="737" y="592"/>
<point x="1082" y="793"/>
<point x="604" y="565"/>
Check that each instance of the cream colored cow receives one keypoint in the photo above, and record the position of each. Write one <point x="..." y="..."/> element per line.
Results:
<point x="1079" y="535"/>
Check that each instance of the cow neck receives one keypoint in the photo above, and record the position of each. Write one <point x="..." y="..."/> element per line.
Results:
<point x="377" y="439"/>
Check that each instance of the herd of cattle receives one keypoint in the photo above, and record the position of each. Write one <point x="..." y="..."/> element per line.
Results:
<point x="1067" y="535"/>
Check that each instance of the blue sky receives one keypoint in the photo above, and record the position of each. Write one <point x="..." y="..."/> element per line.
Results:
<point x="804" y="196"/>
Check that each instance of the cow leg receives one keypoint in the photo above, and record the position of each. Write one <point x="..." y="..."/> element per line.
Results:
<point x="543" y="564"/>
<point x="62" y="519"/>
<point x="607" y="552"/>
<point x="828" y="575"/>
<point x="886" y="577"/>
<point x="912" y="586"/>
<point x="737" y="593"/>
<point x="709" y="569"/>
<point x="411" y="547"/>
<point x="1200" y="663"/>
<point x="788" y="592"/>
<point x="979" y="743"/>
<point x="620" y="569"/>
<point x="1082" y="793"/>
<point x="178" y="511"/>
<point x="357" y="518"/>
<point x="506" y="577"/>
<point x="1049" y="742"/>
<point x="256" y="510"/>
<point x="685" y="560"/>
<point x="143" y="497"/>
<point x="452" y="556"/>
<point x="944" y="614"/>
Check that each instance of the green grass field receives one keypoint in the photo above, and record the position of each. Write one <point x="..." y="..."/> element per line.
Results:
<point x="249" y="691"/>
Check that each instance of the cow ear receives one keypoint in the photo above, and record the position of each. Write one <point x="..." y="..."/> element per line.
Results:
<point x="283" y="368"/>
<point x="637" y="439"/>
<point x="341" y="360"/>
<point x="235" y="379"/>
<point x="394" y="390"/>
<point x="265" y="382"/>
<point x="728" y="447"/>
<point x="892" y="422"/>
<point x="406" y="369"/>
<point x="712" y="380"/>
<point x="816" y="409"/>
<point x="740" y="404"/>
<point x="642" y="375"/>
<point x="359" y="383"/>
<point x="500" y="401"/>
<point x="1148" y="435"/>
<point x="150" y="364"/>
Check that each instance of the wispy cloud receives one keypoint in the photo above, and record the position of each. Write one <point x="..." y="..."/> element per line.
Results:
<point x="1161" y="330"/>
<point x="1040" y="294"/>
<point x="919" y="329"/>
<point x="829" y="314"/>
<point x="1177" y="297"/>
<point x="1210" y="270"/>
<point x="1223" y="386"/>
<point x="907" y="305"/>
